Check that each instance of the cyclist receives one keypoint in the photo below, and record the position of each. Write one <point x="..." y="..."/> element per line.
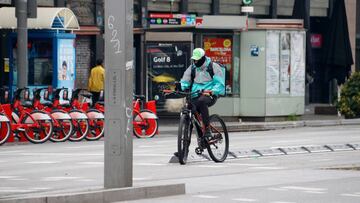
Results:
<point x="197" y="77"/>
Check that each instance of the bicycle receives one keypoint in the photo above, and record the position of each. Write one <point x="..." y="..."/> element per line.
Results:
<point x="74" y="108"/>
<point x="35" y="125"/>
<point x="5" y="129"/>
<point x="145" y="121"/>
<point x="217" y="146"/>
<point x="95" y="115"/>
<point x="62" y="121"/>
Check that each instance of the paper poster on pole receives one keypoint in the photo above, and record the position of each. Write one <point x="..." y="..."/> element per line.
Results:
<point x="285" y="63"/>
<point x="297" y="64"/>
<point x="272" y="62"/>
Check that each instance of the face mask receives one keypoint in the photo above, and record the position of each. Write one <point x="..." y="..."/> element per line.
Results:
<point x="200" y="62"/>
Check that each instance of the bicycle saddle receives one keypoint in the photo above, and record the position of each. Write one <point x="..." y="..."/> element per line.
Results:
<point x="141" y="97"/>
<point x="88" y="95"/>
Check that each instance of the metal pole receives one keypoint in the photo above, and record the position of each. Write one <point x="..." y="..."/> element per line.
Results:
<point x="22" y="42"/>
<point x="118" y="169"/>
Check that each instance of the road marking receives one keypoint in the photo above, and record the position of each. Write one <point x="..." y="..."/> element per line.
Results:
<point x="316" y="192"/>
<point x="19" y="179"/>
<point x="244" y="200"/>
<point x="42" y="162"/>
<point x="8" y="177"/>
<point x="351" y="195"/>
<point x="139" y="179"/>
<point x="14" y="190"/>
<point x="278" y="189"/>
<point x="60" y="178"/>
<point x="149" y="164"/>
<point x="304" y="188"/>
<point x="267" y="168"/>
<point x="92" y="163"/>
<point x="85" y="180"/>
<point x="11" y="152"/>
<point x="281" y="202"/>
<point x="40" y="188"/>
<point x="206" y="196"/>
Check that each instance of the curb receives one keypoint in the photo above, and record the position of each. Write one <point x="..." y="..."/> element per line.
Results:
<point x="278" y="151"/>
<point x="106" y="195"/>
<point x="264" y="126"/>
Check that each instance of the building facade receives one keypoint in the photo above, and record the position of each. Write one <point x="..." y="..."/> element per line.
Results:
<point x="89" y="39"/>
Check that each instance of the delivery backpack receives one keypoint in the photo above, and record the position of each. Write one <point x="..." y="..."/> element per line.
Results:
<point x="210" y="70"/>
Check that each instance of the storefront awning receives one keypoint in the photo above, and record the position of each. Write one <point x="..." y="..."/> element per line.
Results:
<point x="47" y="18"/>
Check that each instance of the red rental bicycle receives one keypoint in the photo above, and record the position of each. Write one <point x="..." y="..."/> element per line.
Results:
<point x="62" y="121"/>
<point x="35" y="125"/>
<point x="78" y="116"/>
<point x="145" y="121"/>
<point x="5" y="129"/>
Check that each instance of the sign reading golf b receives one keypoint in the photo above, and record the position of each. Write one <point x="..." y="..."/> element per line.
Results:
<point x="247" y="2"/>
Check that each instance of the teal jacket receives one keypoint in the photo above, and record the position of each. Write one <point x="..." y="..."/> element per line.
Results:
<point x="203" y="80"/>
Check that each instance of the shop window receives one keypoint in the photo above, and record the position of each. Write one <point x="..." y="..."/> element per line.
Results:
<point x="40" y="70"/>
<point x="220" y="49"/>
<point x="40" y="62"/>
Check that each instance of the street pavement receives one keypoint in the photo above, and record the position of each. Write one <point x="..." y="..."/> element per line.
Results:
<point x="319" y="176"/>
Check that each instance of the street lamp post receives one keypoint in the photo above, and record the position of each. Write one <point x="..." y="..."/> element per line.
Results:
<point x="22" y="42"/>
<point x="118" y="93"/>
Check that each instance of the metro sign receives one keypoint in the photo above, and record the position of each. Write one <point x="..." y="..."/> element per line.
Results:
<point x="247" y="2"/>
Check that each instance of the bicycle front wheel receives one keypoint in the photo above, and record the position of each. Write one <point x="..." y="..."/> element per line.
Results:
<point x="5" y="129"/>
<point x="81" y="125"/>
<point x="184" y="138"/>
<point x="145" y="124"/>
<point x="218" y="144"/>
<point x="39" y="127"/>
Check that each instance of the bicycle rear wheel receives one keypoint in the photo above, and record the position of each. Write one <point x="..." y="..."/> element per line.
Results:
<point x="218" y="144"/>
<point x="39" y="127"/>
<point x="184" y="138"/>
<point x="96" y="122"/>
<point x="146" y="125"/>
<point x="5" y="129"/>
<point x="63" y="126"/>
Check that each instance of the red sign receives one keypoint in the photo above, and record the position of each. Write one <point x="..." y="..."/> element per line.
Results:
<point x="316" y="40"/>
<point x="219" y="49"/>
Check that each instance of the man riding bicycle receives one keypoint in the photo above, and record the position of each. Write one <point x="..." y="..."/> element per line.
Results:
<point x="200" y="77"/>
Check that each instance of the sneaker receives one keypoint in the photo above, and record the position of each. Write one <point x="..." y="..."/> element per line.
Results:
<point x="207" y="134"/>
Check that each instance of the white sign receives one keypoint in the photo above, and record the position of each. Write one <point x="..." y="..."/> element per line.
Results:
<point x="285" y="63"/>
<point x="272" y="63"/>
<point x="297" y="64"/>
<point x="247" y="9"/>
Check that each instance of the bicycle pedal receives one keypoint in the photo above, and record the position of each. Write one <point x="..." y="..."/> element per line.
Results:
<point x="199" y="150"/>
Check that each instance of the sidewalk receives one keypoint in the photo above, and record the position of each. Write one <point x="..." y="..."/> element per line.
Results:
<point x="309" y="119"/>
